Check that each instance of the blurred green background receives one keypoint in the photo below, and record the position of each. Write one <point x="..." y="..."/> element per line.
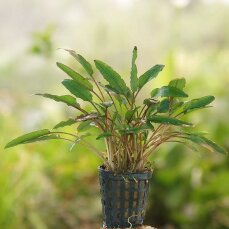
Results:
<point x="45" y="185"/>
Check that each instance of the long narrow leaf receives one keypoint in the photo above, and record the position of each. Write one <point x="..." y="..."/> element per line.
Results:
<point x="68" y="122"/>
<point x="80" y="80"/>
<point x="149" y="75"/>
<point x="104" y="135"/>
<point x="198" y="103"/>
<point x="85" y="125"/>
<point x="43" y="138"/>
<point x="178" y="83"/>
<point x="67" y="99"/>
<point x="134" y="130"/>
<point x="168" y="120"/>
<point x="168" y="91"/>
<point x="27" y="137"/>
<point x="134" y="71"/>
<point x="130" y="114"/>
<point x="85" y="64"/>
<point x="204" y="142"/>
<point x="176" y="106"/>
<point x="112" y="77"/>
<point x="77" y="90"/>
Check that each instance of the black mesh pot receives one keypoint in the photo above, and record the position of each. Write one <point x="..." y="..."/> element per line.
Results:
<point x="124" y="198"/>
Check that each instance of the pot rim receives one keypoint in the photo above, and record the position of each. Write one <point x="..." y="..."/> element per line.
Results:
<point x="144" y="174"/>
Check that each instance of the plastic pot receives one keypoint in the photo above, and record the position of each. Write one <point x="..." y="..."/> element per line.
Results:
<point x="124" y="198"/>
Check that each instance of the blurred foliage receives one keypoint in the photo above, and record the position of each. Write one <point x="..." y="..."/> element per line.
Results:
<point x="42" y="42"/>
<point x="189" y="191"/>
<point x="45" y="185"/>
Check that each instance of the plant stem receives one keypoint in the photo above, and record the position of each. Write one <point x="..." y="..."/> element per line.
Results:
<point x="97" y="95"/>
<point x="62" y="132"/>
<point x="97" y="85"/>
<point x="95" y="107"/>
<point x="92" y="148"/>
<point x="142" y="110"/>
<point x="66" y="139"/>
<point x="112" y="100"/>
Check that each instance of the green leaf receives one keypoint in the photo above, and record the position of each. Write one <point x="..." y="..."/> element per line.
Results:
<point x="84" y="125"/>
<point x="168" y="120"/>
<point x="167" y="91"/>
<point x="107" y="88"/>
<point x="101" y="107"/>
<point x="155" y="92"/>
<point x="188" y="145"/>
<point x="134" y="130"/>
<point x="67" y="99"/>
<point x="198" y="103"/>
<point x="178" y="83"/>
<point x="116" y="116"/>
<point x="27" y="137"/>
<point x="44" y="138"/>
<point x="148" y="124"/>
<point x="204" y="142"/>
<point x="134" y="71"/>
<point x="130" y="114"/>
<point x="68" y="122"/>
<point x="122" y="101"/>
<point x="163" y="107"/>
<point x="75" y="76"/>
<point x="152" y="105"/>
<point x="113" y="78"/>
<point x="149" y="75"/>
<point x="115" y="94"/>
<point x="77" y="90"/>
<point x="104" y="135"/>
<point x="176" y="106"/>
<point x="85" y="64"/>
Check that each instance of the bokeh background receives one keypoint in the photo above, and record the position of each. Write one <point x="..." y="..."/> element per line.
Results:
<point x="45" y="185"/>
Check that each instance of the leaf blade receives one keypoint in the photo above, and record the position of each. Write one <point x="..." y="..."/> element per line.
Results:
<point x="168" y="120"/>
<point x="168" y="91"/>
<point x="44" y="138"/>
<point x="85" y="125"/>
<point x="163" y="107"/>
<point x="150" y="74"/>
<point x="27" y="137"/>
<point x="75" y="76"/>
<point x="85" y="64"/>
<point x="68" y="122"/>
<point x="134" y="130"/>
<point x="129" y="115"/>
<point x="134" y="71"/>
<point x="205" y="142"/>
<point x="104" y="135"/>
<point x="198" y="103"/>
<point x="77" y="90"/>
<point x="67" y="99"/>
<point x="178" y="83"/>
<point x="112" y="77"/>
